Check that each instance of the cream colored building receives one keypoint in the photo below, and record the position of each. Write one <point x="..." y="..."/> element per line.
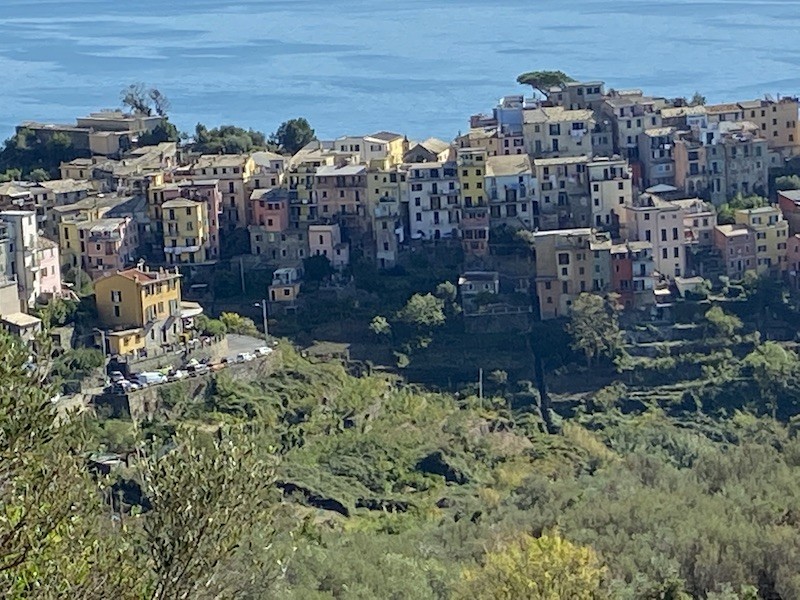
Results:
<point x="562" y="194"/>
<point x="555" y="131"/>
<point x="235" y="173"/>
<point x="652" y="219"/>
<point x="564" y="269"/>
<point x="610" y="188"/>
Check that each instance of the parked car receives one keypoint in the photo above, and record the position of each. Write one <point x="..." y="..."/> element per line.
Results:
<point x="262" y="351"/>
<point x="198" y="369"/>
<point x="116" y="376"/>
<point x="151" y="378"/>
<point x="244" y="357"/>
<point x="177" y="375"/>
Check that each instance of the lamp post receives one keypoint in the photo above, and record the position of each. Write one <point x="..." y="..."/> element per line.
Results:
<point x="263" y="305"/>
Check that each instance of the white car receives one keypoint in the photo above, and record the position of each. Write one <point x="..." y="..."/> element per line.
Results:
<point x="244" y="357"/>
<point x="151" y="378"/>
<point x="262" y="351"/>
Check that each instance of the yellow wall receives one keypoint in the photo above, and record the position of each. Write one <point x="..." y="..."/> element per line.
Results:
<point x="69" y="243"/>
<point x="127" y="343"/>
<point x="185" y="228"/>
<point x="471" y="174"/>
<point x="277" y="293"/>
<point x="138" y="303"/>
<point x="771" y="237"/>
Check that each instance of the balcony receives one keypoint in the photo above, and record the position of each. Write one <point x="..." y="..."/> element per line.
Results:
<point x="176" y="250"/>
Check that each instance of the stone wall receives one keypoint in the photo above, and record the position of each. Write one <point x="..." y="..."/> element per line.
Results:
<point x="215" y="351"/>
<point x="146" y="403"/>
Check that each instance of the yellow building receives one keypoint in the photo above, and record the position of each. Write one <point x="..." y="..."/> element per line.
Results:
<point x="771" y="233"/>
<point x="471" y="175"/>
<point x="185" y="227"/>
<point x="69" y="238"/>
<point x="395" y="145"/>
<point x="140" y="309"/>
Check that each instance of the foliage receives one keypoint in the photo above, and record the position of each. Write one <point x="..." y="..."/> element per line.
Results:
<point x="544" y="568"/>
<point x="698" y="99"/>
<point x="38" y="175"/>
<point x="143" y="100"/>
<point x="78" y="363"/>
<point x="26" y="153"/>
<point x="57" y="312"/>
<point x="317" y="268"/>
<point x="82" y="283"/>
<point x="292" y="135"/>
<point x="722" y="324"/>
<point x="227" y="139"/>
<point x="423" y="311"/>
<point x="773" y="368"/>
<point x="163" y="132"/>
<point x="787" y="182"/>
<point x="237" y="324"/>
<point x="542" y="81"/>
<point x="45" y="492"/>
<point x="726" y="214"/>
<point x="209" y="326"/>
<point x="380" y="326"/>
<point x="594" y="327"/>
<point x="200" y="496"/>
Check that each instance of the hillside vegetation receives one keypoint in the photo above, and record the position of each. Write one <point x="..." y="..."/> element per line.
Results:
<point x="316" y="484"/>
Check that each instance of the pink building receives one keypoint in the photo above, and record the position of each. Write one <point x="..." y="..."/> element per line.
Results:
<point x="270" y="209"/>
<point x="107" y="245"/>
<point x="49" y="274"/>
<point x="326" y="240"/>
<point x="475" y="230"/>
<point x="737" y="243"/>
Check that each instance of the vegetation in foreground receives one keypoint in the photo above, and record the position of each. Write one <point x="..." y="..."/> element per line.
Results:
<point x="313" y="483"/>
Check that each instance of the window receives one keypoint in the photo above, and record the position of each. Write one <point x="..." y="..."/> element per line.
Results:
<point x="563" y="258"/>
<point x="664" y="253"/>
<point x="116" y="311"/>
<point x="663" y="235"/>
<point x="116" y="296"/>
<point x="674" y="233"/>
<point x="565" y="287"/>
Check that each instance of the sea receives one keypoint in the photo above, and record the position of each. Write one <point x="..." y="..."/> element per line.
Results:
<point x="418" y="67"/>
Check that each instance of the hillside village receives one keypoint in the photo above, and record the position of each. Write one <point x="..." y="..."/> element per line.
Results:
<point x="600" y="190"/>
<point x="578" y="317"/>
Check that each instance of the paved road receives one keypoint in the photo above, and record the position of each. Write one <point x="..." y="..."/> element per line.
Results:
<point x="243" y="343"/>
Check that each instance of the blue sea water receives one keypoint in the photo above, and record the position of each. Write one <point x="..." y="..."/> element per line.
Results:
<point x="419" y="67"/>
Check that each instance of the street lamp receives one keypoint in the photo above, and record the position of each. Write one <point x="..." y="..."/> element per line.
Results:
<point x="263" y="305"/>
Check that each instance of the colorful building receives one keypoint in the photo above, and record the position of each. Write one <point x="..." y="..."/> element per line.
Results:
<point x="106" y="245"/>
<point x="234" y="172"/>
<point x="771" y="235"/>
<point x="564" y="269"/>
<point x="737" y="244"/>
<point x="140" y="310"/>
<point x="326" y="240"/>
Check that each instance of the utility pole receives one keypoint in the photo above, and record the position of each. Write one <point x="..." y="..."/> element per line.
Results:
<point x="263" y="304"/>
